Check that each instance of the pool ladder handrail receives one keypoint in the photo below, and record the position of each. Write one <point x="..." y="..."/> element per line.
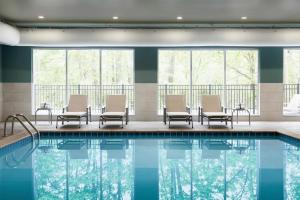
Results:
<point x="17" y="117"/>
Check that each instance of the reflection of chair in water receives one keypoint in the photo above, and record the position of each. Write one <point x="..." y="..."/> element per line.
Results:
<point x="294" y="105"/>
<point x="211" y="149"/>
<point x="116" y="148"/>
<point x="240" y="145"/>
<point x="46" y="145"/>
<point x="176" y="148"/>
<point x="76" y="148"/>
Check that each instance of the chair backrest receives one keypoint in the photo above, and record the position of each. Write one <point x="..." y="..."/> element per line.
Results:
<point x="211" y="103"/>
<point x="115" y="103"/>
<point x="176" y="103"/>
<point x="78" y="103"/>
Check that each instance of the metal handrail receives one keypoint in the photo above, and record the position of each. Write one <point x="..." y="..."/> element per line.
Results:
<point x="29" y="122"/>
<point x="16" y="117"/>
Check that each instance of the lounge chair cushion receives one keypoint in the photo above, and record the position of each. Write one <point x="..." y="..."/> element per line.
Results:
<point x="211" y="103"/>
<point x="115" y="103"/>
<point x="113" y="114"/>
<point x="176" y="103"/>
<point x="73" y="114"/>
<point x="216" y="114"/>
<point x="78" y="103"/>
<point x="178" y="114"/>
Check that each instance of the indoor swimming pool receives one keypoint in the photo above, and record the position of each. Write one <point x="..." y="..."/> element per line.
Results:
<point x="135" y="166"/>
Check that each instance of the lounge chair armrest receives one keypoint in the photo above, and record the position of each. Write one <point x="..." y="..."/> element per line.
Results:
<point x="103" y="108"/>
<point x="88" y="109"/>
<point x="188" y="109"/>
<point x="165" y="114"/>
<point x="65" y="109"/>
<point x="224" y="109"/>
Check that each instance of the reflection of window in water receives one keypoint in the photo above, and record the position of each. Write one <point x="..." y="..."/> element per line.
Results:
<point x="116" y="169"/>
<point x="292" y="177"/>
<point x="78" y="168"/>
<point x="207" y="169"/>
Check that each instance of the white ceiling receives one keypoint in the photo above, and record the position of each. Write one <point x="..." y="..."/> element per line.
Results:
<point x="151" y="11"/>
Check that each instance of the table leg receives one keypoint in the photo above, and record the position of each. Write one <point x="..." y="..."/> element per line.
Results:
<point x="248" y="116"/>
<point x="35" y="116"/>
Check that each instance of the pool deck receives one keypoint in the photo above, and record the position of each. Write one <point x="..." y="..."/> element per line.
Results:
<point x="287" y="128"/>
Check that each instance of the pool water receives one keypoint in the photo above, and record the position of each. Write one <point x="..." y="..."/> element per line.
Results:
<point x="144" y="168"/>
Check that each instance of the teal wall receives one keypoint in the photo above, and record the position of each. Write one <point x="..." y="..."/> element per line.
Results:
<point x="16" y="64"/>
<point x="146" y="64"/>
<point x="271" y="64"/>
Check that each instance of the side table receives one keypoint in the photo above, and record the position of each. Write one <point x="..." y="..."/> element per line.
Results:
<point x="237" y="110"/>
<point x="49" y="114"/>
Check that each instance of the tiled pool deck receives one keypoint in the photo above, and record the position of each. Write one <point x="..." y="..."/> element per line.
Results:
<point x="291" y="129"/>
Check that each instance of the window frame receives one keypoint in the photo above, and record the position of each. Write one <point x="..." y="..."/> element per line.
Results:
<point x="66" y="49"/>
<point x="191" y="49"/>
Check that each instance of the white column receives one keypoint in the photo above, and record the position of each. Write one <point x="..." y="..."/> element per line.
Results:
<point x="146" y="102"/>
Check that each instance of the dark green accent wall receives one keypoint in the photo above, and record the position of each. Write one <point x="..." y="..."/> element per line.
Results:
<point x="16" y="64"/>
<point x="271" y="64"/>
<point x="146" y="64"/>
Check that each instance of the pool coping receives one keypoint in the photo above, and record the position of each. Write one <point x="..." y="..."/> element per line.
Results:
<point x="23" y="136"/>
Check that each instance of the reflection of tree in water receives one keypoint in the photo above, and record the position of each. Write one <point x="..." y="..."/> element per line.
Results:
<point x="58" y="176"/>
<point x="292" y="178"/>
<point x="229" y="175"/>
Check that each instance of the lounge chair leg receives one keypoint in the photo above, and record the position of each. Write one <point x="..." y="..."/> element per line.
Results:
<point x="79" y="123"/>
<point x="99" y="123"/>
<point x="201" y="120"/>
<point x="232" y="123"/>
<point x="87" y="120"/>
<point x="169" y="123"/>
<point x="122" y="123"/>
<point x="192" y="123"/>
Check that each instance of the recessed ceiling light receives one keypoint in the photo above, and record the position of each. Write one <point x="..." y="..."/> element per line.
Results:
<point x="179" y="18"/>
<point x="41" y="17"/>
<point x="115" y="17"/>
<point x="244" y="18"/>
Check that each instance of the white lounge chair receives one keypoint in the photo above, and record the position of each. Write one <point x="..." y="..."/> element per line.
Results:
<point x="76" y="110"/>
<point x="177" y="110"/>
<point x="293" y="106"/>
<point x="115" y="109"/>
<point x="212" y="110"/>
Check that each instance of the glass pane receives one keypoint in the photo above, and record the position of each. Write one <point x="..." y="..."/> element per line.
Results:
<point x="208" y="67"/>
<point x="117" y="67"/>
<point x="241" y="66"/>
<point x="83" y="67"/>
<point x="174" y="67"/>
<point x="292" y="66"/>
<point x="49" y="67"/>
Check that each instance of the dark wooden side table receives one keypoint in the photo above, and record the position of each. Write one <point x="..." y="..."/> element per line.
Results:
<point x="49" y="114"/>
<point x="237" y="110"/>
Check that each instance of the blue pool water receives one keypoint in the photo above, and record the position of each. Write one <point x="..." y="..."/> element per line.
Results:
<point x="151" y="167"/>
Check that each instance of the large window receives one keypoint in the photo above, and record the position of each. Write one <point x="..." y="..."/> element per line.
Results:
<point x="291" y="105"/>
<point x="57" y="73"/>
<point x="230" y="73"/>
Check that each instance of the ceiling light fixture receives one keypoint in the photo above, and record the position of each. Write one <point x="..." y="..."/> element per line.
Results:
<point x="244" y="18"/>
<point x="115" y="17"/>
<point x="179" y="18"/>
<point x="41" y="17"/>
